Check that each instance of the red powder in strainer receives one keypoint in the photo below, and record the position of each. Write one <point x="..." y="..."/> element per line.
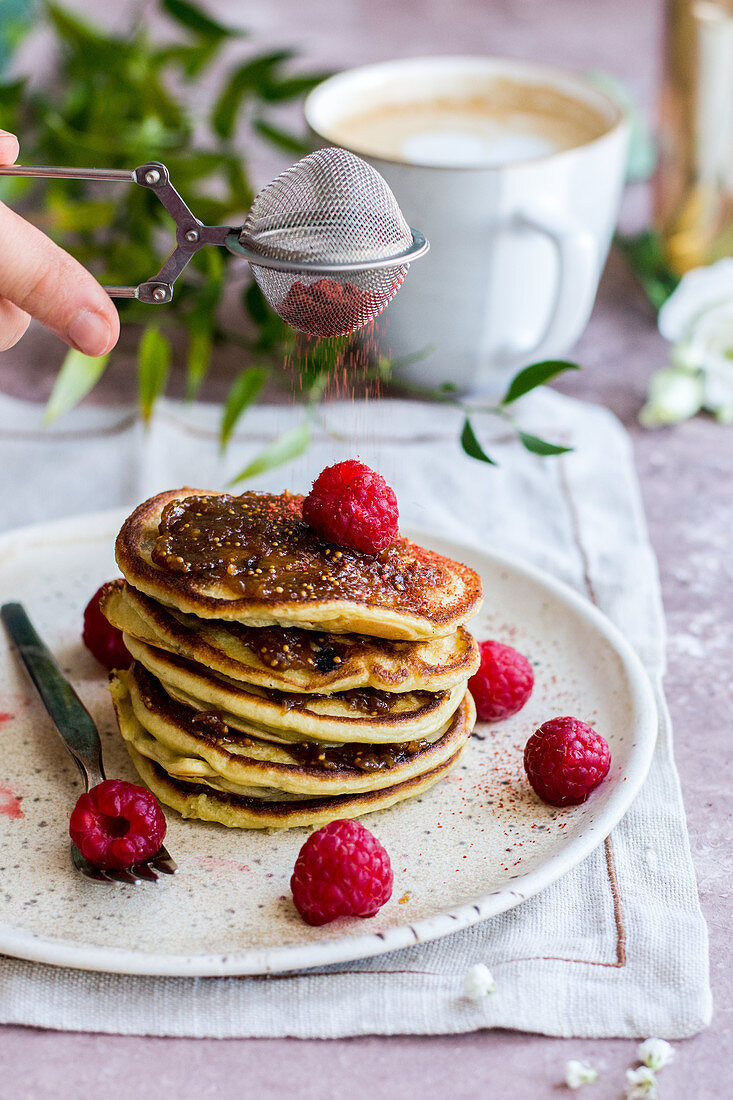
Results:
<point x="330" y="307"/>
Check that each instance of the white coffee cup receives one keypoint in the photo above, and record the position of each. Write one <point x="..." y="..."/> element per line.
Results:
<point x="519" y="226"/>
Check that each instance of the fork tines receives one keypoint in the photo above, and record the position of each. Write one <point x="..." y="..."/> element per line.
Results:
<point x="140" y="872"/>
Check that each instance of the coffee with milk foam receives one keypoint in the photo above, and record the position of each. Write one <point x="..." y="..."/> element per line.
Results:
<point x="506" y="123"/>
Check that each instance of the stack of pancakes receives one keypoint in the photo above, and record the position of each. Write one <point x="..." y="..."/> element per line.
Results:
<point x="279" y="680"/>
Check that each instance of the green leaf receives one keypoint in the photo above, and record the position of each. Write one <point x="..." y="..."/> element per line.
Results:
<point x="293" y="87"/>
<point x="536" y="375"/>
<point x="645" y="256"/>
<point x="192" y="59"/>
<point x="539" y="446"/>
<point x="241" y="190"/>
<point x="191" y="17"/>
<point x="75" y="31"/>
<point x="273" y="332"/>
<point x="198" y="361"/>
<point x="226" y="108"/>
<point x="11" y="98"/>
<point x="252" y="77"/>
<point x="78" y="375"/>
<point x="254" y="302"/>
<point x="153" y="364"/>
<point x="240" y="397"/>
<point x="282" y="139"/>
<point x="283" y="449"/>
<point x="81" y="216"/>
<point x="471" y="445"/>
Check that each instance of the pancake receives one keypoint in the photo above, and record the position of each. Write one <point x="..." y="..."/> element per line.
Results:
<point x="251" y="559"/>
<point x="368" y="716"/>
<point x="196" y="799"/>
<point x="192" y="746"/>
<point x="290" y="659"/>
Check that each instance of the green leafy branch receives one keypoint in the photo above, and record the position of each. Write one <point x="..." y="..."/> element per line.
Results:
<point x="529" y="378"/>
<point x="118" y="100"/>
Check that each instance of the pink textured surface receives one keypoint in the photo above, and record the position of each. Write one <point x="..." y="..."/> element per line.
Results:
<point x="685" y="477"/>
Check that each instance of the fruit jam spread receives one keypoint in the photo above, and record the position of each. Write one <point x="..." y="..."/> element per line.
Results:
<point x="314" y="754"/>
<point x="355" y="757"/>
<point x="288" y="648"/>
<point x="370" y="701"/>
<point x="210" y="726"/>
<point x="258" y="547"/>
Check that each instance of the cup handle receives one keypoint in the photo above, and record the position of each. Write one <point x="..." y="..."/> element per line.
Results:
<point x="576" y="281"/>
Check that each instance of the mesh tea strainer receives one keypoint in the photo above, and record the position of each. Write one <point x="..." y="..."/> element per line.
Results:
<point x="326" y="240"/>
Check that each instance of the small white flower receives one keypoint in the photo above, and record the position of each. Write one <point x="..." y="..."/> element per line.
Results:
<point x="674" y="394"/>
<point x="579" y="1073"/>
<point x="697" y="319"/>
<point x="656" y="1053"/>
<point x="697" y="292"/>
<point x="478" y="982"/>
<point x="641" y="1084"/>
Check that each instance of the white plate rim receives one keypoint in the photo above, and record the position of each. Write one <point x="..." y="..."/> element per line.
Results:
<point x="348" y="948"/>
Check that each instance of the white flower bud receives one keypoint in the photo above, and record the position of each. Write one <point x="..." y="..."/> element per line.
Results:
<point x="478" y="982"/>
<point x="641" y="1084"/>
<point x="579" y="1073"/>
<point x="655" y="1053"/>
<point x="698" y="319"/>
<point x="673" y="395"/>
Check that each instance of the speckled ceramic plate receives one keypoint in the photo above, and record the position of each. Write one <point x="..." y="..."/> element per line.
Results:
<point x="477" y="844"/>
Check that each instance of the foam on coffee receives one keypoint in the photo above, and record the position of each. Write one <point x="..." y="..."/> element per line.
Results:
<point x="506" y="122"/>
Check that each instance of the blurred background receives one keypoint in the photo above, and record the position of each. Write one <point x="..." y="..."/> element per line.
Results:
<point x="215" y="90"/>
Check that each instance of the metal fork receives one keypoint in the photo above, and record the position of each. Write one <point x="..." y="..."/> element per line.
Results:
<point x="79" y="734"/>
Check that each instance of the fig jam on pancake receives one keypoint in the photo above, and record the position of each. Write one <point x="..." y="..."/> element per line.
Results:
<point x="292" y="659"/>
<point x="209" y="726"/>
<point x="257" y="546"/>
<point x="251" y="559"/>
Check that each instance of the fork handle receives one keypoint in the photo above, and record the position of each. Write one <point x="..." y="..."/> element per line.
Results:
<point x="68" y="713"/>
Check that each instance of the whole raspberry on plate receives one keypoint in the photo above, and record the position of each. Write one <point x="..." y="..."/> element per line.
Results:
<point x="352" y="506"/>
<point x="341" y="871"/>
<point x="117" y="824"/>
<point x="503" y="683"/>
<point x="103" y="640"/>
<point x="565" y="759"/>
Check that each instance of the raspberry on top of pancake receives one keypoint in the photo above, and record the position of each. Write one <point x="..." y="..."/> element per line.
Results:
<point x="252" y="559"/>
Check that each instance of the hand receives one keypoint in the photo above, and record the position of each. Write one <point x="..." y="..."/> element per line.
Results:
<point x="38" y="279"/>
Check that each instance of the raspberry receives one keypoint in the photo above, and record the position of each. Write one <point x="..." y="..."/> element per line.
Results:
<point x="102" y="639"/>
<point x="342" y="870"/>
<point x="503" y="683"/>
<point x="565" y="760"/>
<point x="117" y="824"/>
<point x="353" y="506"/>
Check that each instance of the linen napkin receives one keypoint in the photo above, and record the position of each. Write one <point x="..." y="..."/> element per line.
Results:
<point x="618" y="946"/>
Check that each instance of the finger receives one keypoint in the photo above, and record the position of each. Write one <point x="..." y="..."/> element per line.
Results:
<point x="13" y="323"/>
<point x="40" y="278"/>
<point x="9" y="148"/>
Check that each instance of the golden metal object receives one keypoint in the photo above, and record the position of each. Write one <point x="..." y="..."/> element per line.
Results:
<point x="694" y="186"/>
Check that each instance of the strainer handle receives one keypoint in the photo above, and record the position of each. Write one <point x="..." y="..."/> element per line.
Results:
<point x="191" y="234"/>
<point x="575" y="288"/>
